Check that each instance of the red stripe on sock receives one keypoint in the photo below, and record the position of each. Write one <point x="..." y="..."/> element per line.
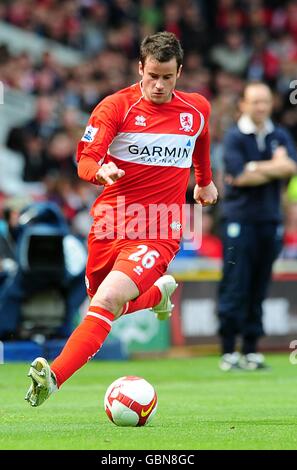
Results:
<point x="101" y="311"/>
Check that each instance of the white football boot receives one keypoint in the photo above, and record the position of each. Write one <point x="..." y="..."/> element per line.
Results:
<point x="253" y="361"/>
<point x="167" y="286"/>
<point x="230" y="361"/>
<point x="43" y="382"/>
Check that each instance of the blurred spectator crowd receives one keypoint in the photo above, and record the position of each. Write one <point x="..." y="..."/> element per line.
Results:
<point x="226" y="42"/>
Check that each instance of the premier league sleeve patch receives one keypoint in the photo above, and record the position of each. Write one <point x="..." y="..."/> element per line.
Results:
<point x="89" y="134"/>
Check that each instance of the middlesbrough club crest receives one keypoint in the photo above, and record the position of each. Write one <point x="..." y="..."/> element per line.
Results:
<point x="186" y="121"/>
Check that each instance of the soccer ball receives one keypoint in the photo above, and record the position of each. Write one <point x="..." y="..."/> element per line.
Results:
<point x="130" y="401"/>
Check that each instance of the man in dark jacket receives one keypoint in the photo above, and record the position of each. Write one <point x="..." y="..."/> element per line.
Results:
<point x="258" y="156"/>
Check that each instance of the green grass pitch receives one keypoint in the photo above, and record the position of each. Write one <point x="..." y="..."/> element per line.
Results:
<point x="200" y="407"/>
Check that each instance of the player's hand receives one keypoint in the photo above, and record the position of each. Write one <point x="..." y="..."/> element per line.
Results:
<point x="109" y="173"/>
<point x="280" y="153"/>
<point x="206" y="195"/>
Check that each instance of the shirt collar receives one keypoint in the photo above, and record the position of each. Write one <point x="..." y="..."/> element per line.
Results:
<point x="247" y="126"/>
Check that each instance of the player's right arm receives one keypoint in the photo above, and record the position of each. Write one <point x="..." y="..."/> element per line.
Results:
<point x="109" y="173"/>
<point x="102" y="127"/>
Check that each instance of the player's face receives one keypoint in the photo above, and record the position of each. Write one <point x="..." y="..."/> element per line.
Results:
<point x="257" y="103"/>
<point x="159" y="79"/>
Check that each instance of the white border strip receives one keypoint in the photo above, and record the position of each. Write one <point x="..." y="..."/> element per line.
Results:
<point x="97" y="315"/>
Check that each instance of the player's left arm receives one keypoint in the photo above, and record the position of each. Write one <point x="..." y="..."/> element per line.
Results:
<point x="205" y="192"/>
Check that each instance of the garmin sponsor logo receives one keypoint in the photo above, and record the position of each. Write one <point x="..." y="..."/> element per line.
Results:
<point x="173" y="154"/>
<point x="154" y="149"/>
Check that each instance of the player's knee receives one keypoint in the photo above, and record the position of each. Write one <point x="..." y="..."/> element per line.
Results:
<point x="109" y="299"/>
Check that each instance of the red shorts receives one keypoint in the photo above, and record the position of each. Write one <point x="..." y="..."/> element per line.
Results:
<point x="144" y="261"/>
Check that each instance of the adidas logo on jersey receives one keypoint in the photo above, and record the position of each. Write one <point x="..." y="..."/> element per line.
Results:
<point x="140" y="121"/>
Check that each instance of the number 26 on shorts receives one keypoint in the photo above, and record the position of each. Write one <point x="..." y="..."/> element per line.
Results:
<point x="148" y="258"/>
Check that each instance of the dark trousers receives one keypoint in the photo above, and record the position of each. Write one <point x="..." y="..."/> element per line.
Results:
<point x="249" y="252"/>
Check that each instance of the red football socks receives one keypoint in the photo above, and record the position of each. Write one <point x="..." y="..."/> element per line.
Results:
<point x="88" y="337"/>
<point x="83" y="344"/>
<point x="149" y="299"/>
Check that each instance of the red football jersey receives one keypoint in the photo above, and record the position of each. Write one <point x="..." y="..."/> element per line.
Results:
<point x="155" y="144"/>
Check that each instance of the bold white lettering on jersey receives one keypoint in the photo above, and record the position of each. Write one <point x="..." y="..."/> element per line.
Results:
<point x="154" y="149"/>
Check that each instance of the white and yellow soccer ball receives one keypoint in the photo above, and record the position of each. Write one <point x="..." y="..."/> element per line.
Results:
<point x="130" y="401"/>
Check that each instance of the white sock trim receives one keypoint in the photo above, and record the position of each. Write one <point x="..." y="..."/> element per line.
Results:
<point x="97" y="315"/>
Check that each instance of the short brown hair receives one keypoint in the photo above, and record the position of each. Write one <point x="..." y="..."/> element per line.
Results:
<point x="162" y="47"/>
